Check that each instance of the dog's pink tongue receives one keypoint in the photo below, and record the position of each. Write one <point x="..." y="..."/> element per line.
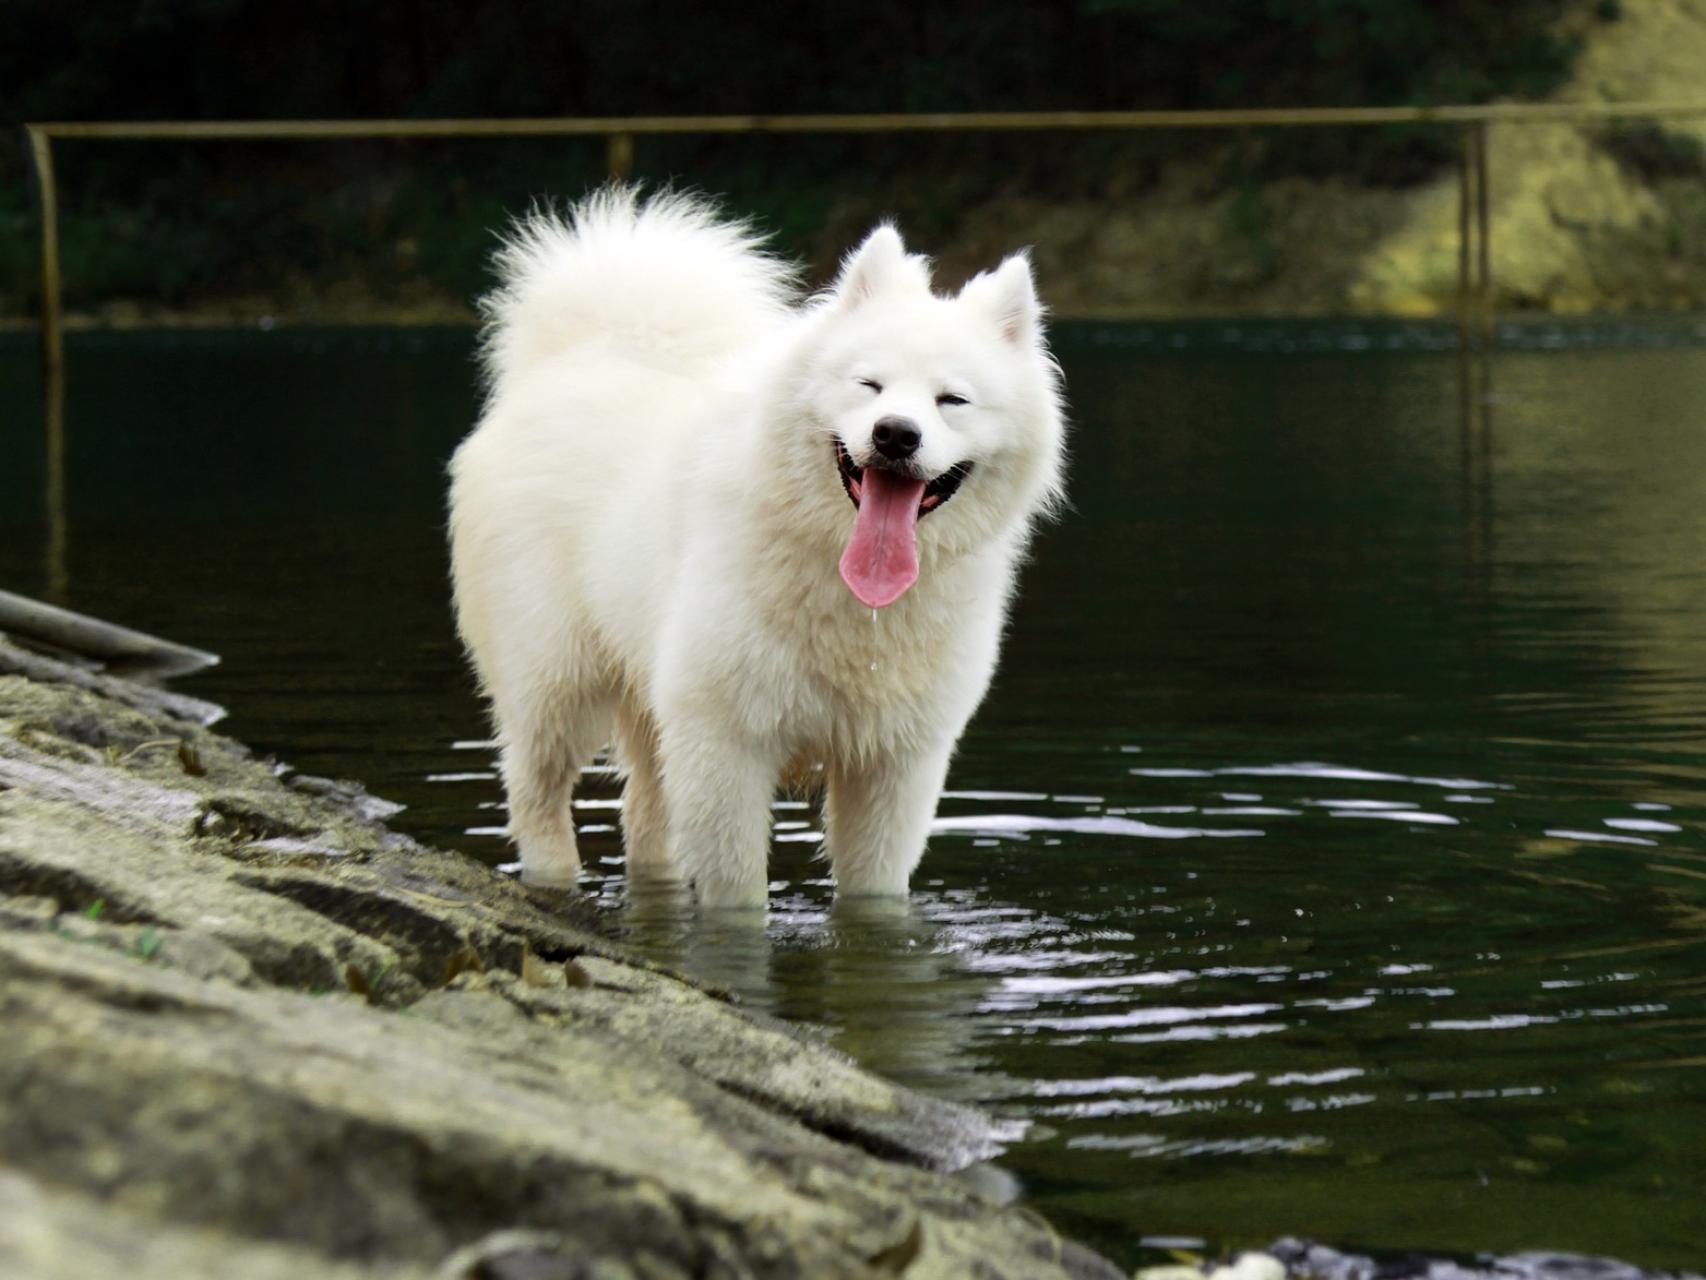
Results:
<point x="881" y="560"/>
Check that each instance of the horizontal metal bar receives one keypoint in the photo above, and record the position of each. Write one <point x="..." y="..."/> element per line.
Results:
<point x="996" y="121"/>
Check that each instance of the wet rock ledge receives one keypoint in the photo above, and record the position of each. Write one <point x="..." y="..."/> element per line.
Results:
<point x="246" y="1030"/>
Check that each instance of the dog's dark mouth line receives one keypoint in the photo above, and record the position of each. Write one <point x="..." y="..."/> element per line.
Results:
<point x="936" y="492"/>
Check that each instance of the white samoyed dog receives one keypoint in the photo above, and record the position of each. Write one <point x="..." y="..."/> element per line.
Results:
<point x="687" y="501"/>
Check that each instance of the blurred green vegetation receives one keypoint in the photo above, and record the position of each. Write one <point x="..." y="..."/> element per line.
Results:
<point x="178" y="224"/>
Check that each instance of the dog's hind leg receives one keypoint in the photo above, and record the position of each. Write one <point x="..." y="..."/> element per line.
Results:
<point x="645" y="823"/>
<point x="546" y="741"/>
<point x="877" y="817"/>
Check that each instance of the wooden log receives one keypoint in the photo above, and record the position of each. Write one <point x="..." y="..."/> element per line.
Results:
<point x="107" y="644"/>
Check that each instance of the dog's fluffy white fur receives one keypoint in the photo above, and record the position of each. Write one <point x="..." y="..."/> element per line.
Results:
<point x="647" y="521"/>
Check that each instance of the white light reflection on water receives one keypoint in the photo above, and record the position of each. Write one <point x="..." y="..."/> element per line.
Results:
<point x="1482" y="1095"/>
<point x="1141" y="1084"/>
<point x="1153" y="978"/>
<point x="1332" y="1102"/>
<point x="1597" y="837"/>
<point x="1341" y="1005"/>
<point x="1112" y="1108"/>
<point x="995" y="795"/>
<point x="1147" y="1016"/>
<point x="1563" y="984"/>
<point x="1515" y="1021"/>
<point x="1151" y="1145"/>
<point x="1196" y="1031"/>
<point x="1102" y="824"/>
<point x="1042" y="959"/>
<point x="1360" y="804"/>
<point x="1398" y="815"/>
<point x="1345" y="773"/>
<point x="1336" y="1076"/>
<point x="987" y="830"/>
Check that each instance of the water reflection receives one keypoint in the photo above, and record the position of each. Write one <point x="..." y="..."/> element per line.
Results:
<point x="881" y="977"/>
<point x="1475" y="446"/>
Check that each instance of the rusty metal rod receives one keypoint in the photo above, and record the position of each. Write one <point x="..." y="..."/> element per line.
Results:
<point x="1465" y="199"/>
<point x="53" y="483"/>
<point x="47" y="196"/>
<point x="619" y="133"/>
<point x="968" y="121"/>
<point x="1483" y="240"/>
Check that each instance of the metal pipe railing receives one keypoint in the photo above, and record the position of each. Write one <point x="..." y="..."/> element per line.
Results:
<point x="1475" y="303"/>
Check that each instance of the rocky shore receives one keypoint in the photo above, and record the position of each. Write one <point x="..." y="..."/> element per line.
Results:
<point x="250" y="1031"/>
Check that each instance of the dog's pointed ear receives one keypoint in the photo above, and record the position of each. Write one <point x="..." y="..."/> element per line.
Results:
<point x="870" y="268"/>
<point x="1009" y="295"/>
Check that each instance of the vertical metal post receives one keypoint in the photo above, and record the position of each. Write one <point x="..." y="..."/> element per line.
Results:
<point x="52" y="363"/>
<point x="1475" y="334"/>
<point x="58" y="524"/>
<point x="47" y="194"/>
<point x="619" y="156"/>
<point x="1484" y="244"/>
<point x="1465" y="198"/>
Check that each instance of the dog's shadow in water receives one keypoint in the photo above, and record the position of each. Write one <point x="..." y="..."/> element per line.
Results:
<point x="882" y="980"/>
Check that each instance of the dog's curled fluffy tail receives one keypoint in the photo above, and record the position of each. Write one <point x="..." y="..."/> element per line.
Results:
<point x="663" y="279"/>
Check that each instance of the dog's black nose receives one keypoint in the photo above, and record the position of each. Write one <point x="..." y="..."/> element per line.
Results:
<point x="895" y="437"/>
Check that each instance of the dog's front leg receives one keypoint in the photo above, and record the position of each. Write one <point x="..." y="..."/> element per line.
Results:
<point x="878" y="816"/>
<point x="717" y="787"/>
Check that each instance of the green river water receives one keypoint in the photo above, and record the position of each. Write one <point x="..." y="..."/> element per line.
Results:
<point x="1329" y="859"/>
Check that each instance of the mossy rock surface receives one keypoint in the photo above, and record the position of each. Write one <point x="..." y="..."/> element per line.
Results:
<point x="249" y="1030"/>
